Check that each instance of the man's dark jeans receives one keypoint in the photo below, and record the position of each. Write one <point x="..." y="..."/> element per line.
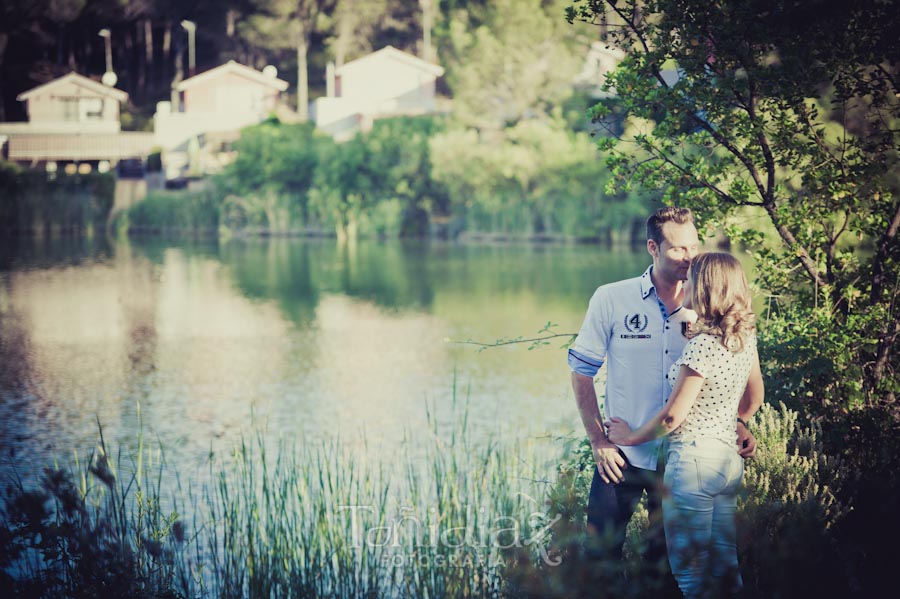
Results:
<point x="610" y="507"/>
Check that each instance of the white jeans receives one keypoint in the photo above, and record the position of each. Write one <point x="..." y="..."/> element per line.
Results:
<point x="703" y="478"/>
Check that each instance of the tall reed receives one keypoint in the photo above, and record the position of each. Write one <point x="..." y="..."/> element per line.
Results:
<point x="98" y="527"/>
<point x="284" y="518"/>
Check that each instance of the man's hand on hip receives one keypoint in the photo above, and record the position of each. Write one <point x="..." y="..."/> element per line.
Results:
<point x="610" y="462"/>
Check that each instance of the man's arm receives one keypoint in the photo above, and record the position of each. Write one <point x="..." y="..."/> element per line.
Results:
<point x="610" y="462"/>
<point x="750" y="402"/>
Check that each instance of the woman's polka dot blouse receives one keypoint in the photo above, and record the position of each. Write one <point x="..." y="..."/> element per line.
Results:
<point x="714" y="412"/>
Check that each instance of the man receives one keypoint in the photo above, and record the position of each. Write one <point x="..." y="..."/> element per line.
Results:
<point x="638" y="328"/>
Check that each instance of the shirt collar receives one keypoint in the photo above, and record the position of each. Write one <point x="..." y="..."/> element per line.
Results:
<point x="647" y="287"/>
<point x="647" y="283"/>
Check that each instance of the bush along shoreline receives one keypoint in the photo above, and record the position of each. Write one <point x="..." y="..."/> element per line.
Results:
<point x="35" y="203"/>
<point x="470" y="520"/>
<point x="411" y="177"/>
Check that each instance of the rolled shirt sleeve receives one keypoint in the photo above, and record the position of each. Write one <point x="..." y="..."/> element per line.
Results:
<point x="588" y="352"/>
<point x="583" y="365"/>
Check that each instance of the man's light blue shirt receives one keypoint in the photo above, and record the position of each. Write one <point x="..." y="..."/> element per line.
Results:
<point x="628" y="328"/>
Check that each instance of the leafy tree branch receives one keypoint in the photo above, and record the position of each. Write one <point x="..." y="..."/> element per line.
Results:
<point x="785" y="111"/>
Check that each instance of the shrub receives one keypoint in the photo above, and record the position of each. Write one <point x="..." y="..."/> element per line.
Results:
<point x="107" y="537"/>
<point x="791" y="503"/>
<point x="176" y="212"/>
<point x="32" y="202"/>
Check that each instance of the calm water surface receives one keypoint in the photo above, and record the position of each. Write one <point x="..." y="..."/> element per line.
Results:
<point x="199" y="343"/>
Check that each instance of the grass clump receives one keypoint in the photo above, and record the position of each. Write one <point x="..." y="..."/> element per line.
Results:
<point x="459" y="519"/>
<point x="92" y="531"/>
<point x="279" y="519"/>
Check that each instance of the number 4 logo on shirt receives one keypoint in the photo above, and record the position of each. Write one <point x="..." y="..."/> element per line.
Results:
<point x="636" y="323"/>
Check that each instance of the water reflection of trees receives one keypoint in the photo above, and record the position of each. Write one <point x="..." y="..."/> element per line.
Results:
<point x="28" y="252"/>
<point x="295" y="273"/>
<point x="409" y="275"/>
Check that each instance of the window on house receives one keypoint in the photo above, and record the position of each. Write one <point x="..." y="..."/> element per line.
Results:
<point x="91" y="109"/>
<point x="69" y="109"/>
<point x="82" y="109"/>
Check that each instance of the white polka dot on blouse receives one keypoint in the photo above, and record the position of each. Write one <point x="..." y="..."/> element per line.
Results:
<point x="714" y="412"/>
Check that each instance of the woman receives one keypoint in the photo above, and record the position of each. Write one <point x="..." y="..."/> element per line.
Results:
<point x="716" y="376"/>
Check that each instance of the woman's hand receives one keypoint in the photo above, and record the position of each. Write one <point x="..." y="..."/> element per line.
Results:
<point x="618" y="431"/>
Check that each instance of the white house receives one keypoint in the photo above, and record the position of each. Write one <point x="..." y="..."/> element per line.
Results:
<point x="213" y="105"/>
<point x="386" y="83"/>
<point x="73" y="120"/>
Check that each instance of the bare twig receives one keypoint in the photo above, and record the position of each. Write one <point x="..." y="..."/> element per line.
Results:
<point x="514" y="341"/>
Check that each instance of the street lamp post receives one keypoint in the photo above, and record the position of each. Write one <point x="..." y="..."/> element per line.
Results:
<point x="109" y="77"/>
<point x="191" y="28"/>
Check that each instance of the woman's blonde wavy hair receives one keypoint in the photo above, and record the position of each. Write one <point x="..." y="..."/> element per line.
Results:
<point x="721" y="297"/>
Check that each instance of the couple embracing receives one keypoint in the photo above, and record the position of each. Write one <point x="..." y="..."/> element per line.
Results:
<point x="682" y="379"/>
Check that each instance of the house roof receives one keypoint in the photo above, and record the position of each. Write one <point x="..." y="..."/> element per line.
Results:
<point x="80" y="80"/>
<point x="394" y="54"/>
<point x="235" y="68"/>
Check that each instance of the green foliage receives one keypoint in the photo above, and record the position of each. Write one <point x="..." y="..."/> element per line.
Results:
<point x="809" y="359"/>
<point x="380" y="182"/>
<point x="290" y="520"/>
<point x="400" y="157"/>
<point x="268" y="184"/>
<point x="536" y="177"/>
<point x="175" y="212"/>
<point x="93" y="531"/>
<point x="510" y="61"/>
<point x="33" y="201"/>
<point x="792" y="500"/>
<point x="778" y="120"/>
<point x="273" y="153"/>
<point x="342" y="187"/>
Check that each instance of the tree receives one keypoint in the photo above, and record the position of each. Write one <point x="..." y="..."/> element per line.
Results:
<point x="288" y="24"/>
<point x="269" y="181"/>
<point x="779" y="121"/>
<point x="536" y="177"/>
<point x="355" y="24"/>
<point x="509" y="61"/>
<point x="400" y="156"/>
<point x="18" y="19"/>
<point x="343" y="189"/>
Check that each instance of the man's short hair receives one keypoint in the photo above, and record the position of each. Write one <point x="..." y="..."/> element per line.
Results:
<point x="667" y="214"/>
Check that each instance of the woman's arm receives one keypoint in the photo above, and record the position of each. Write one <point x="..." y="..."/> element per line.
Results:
<point x="687" y="388"/>
<point x="750" y="402"/>
<point x="753" y="395"/>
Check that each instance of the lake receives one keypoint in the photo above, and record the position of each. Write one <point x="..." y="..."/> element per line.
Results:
<point x="198" y="343"/>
